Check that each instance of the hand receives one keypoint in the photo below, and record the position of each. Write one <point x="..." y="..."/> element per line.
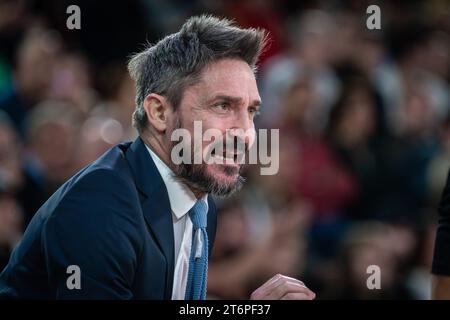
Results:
<point x="282" y="287"/>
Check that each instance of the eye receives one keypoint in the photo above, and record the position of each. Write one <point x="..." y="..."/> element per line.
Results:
<point x="222" y="106"/>
<point x="253" y="111"/>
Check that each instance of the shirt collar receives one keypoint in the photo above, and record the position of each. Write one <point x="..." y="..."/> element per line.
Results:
<point x="181" y="198"/>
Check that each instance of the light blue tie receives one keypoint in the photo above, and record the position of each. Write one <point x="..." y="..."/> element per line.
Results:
<point x="198" y="262"/>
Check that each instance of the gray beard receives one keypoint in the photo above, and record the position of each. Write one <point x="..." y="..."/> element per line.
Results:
<point x="196" y="176"/>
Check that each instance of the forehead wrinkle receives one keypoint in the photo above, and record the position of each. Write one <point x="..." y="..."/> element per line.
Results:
<point x="215" y="74"/>
<point x="234" y="99"/>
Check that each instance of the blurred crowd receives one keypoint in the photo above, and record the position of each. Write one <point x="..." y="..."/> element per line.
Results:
<point x="364" y="132"/>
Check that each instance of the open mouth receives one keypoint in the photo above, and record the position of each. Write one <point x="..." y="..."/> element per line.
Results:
<point x="228" y="158"/>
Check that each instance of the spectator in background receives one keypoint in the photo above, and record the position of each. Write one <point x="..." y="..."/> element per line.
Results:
<point x="309" y="54"/>
<point x="71" y="82"/>
<point x="32" y="74"/>
<point x="419" y="278"/>
<point x="10" y="226"/>
<point x="409" y="153"/>
<point x="246" y="255"/>
<point x="13" y="22"/>
<point x="52" y="137"/>
<point x="260" y="14"/>
<point x="409" y="68"/>
<point x="437" y="170"/>
<point x="370" y="244"/>
<point x="319" y="178"/>
<point x="438" y="62"/>
<point x="118" y="98"/>
<point x="97" y="135"/>
<point x="352" y="133"/>
<point x="11" y="175"/>
<point x="17" y="183"/>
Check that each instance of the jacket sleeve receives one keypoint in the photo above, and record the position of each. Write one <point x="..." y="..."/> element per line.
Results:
<point x="441" y="258"/>
<point x="96" y="228"/>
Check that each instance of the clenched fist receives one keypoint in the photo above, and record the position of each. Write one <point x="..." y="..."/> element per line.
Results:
<point x="282" y="287"/>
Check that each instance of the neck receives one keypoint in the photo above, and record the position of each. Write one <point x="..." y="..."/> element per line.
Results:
<point x="155" y="143"/>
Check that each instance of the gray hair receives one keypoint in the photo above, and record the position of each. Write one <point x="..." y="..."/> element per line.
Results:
<point x="176" y="61"/>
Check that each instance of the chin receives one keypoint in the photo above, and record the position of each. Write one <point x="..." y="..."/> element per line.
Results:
<point x="216" y="179"/>
<point x="226" y="179"/>
<point x="224" y="174"/>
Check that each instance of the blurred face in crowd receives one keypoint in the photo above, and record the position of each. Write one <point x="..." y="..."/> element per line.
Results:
<point x="357" y="122"/>
<point x="314" y="35"/>
<point x="8" y="142"/>
<point x="374" y="253"/>
<point x="10" y="164"/>
<point x="70" y="80"/>
<point x="10" y="221"/>
<point x="285" y="183"/>
<point x="226" y="98"/>
<point x="232" y="235"/>
<point x="97" y="135"/>
<point x="390" y="248"/>
<point x="36" y="62"/>
<point x="54" y="144"/>
<point x="298" y="102"/>
<point x="416" y="115"/>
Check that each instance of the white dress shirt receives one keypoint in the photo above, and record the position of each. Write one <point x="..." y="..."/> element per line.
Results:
<point x="181" y="199"/>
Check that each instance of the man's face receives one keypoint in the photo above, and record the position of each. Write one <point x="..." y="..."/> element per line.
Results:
<point x="226" y="99"/>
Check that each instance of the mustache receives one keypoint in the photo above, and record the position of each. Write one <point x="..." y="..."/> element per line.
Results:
<point x="231" y="146"/>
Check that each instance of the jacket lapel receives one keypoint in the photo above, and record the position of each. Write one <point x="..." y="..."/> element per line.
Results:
<point x="155" y="204"/>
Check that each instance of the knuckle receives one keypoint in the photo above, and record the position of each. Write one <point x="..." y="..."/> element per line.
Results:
<point x="296" y="286"/>
<point x="289" y="296"/>
<point x="256" y="295"/>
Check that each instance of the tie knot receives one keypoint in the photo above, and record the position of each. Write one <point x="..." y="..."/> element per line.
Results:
<point x="198" y="214"/>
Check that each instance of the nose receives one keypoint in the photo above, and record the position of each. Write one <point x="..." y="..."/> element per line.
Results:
<point x="243" y="129"/>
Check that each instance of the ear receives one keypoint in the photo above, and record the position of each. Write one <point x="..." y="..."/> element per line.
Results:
<point x="157" y="108"/>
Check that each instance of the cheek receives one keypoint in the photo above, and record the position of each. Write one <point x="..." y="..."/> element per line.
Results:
<point x="213" y="126"/>
<point x="214" y="122"/>
<point x="251" y="137"/>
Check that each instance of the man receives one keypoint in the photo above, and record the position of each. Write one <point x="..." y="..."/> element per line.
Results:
<point x="133" y="225"/>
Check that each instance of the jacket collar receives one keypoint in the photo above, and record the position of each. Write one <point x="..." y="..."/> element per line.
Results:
<point x="156" y="206"/>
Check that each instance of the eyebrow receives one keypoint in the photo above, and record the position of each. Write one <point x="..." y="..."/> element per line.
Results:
<point x="236" y="100"/>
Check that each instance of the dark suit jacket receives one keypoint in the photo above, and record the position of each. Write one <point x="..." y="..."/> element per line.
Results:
<point x="113" y="220"/>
